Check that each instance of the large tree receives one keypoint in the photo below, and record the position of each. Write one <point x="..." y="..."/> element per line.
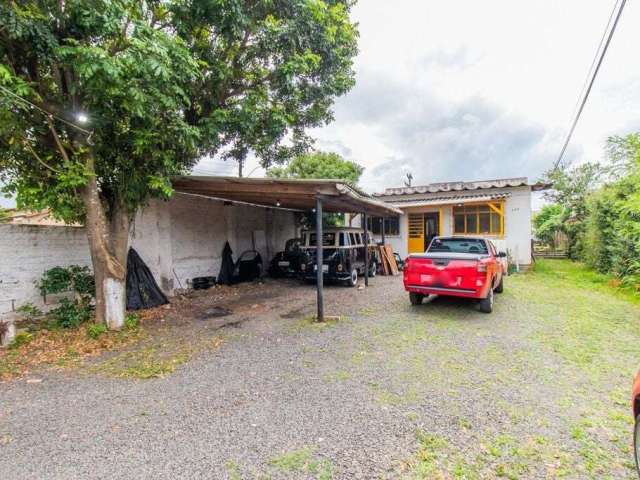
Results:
<point x="102" y="101"/>
<point x="319" y="165"/>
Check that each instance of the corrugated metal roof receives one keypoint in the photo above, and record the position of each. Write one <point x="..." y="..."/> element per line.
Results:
<point x="448" y="199"/>
<point x="461" y="186"/>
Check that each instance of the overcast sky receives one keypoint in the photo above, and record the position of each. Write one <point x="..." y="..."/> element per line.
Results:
<point x="464" y="90"/>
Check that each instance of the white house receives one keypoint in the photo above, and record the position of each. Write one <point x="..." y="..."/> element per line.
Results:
<point x="496" y="209"/>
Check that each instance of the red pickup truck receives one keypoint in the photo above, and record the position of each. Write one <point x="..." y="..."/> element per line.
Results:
<point x="458" y="267"/>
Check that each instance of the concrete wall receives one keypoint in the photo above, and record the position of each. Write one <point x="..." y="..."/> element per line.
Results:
<point x="26" y="251"/>
<point x="178" y="240"/>
<point x="517" y="238"/>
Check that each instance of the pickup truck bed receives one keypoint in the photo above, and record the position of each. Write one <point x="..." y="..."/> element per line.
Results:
<point x="459" y="274"/>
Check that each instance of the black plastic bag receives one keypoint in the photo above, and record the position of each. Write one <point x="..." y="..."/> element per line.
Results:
<point x="142" y="289"/>
<point x="225" y="277"/>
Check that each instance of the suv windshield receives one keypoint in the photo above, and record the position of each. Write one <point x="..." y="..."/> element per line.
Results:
<point x="458" y="245"/>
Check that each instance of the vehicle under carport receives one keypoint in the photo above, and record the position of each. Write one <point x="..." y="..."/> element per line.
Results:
<point x="317" y="195"/>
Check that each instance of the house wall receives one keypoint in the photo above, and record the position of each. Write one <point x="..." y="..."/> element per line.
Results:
<point x="517" y="237"/>
<point x="178" y="240"/>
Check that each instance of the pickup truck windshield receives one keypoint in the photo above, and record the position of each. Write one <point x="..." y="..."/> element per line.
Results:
<point x="458" y="245"/>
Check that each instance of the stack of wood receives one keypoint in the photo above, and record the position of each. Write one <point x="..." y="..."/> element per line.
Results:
<point x="389" y="265"/>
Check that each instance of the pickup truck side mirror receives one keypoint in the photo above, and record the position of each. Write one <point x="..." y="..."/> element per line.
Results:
<point x="502" y="255"/>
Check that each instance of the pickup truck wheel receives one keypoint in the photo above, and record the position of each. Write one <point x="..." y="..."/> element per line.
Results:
<point x="486" y="304"/>
<point x="353" y="278"/>
<point x="500" y="287"/>
<point x="415" y="298"/>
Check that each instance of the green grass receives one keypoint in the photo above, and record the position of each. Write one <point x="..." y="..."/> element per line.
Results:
<point x="560" y="329"/>
<point x="303" y="461"/>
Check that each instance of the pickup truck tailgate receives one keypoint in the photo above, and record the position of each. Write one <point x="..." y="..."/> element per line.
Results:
<point x="441" y="272"/>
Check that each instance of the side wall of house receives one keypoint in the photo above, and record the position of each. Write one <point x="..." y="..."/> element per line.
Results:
<point x="178" y="240"/>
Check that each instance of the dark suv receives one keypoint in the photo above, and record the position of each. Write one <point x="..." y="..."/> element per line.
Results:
<point x="287" y="263"/>
<point x="343" y="255"/>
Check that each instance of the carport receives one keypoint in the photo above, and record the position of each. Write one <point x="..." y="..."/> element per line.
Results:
<point x="302" y="195"/>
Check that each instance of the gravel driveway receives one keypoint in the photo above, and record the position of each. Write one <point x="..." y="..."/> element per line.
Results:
<point x="388" y="391"/>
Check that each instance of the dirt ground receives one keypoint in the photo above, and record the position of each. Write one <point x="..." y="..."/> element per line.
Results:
<point x="240" y="383"/>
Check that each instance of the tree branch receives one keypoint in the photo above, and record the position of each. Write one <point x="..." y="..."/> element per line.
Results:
<point x="37" y="157"/>
<point x="61" y="148"/>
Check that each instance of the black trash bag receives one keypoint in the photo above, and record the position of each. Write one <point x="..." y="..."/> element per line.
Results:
<point x="225" y="277"/>
<point x="142" y="289"/>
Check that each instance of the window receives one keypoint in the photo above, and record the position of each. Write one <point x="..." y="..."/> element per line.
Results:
<point x="344" y="239"/>
<point x="457" y="245"/>
<point x="487" y="218"/>
<point x="391" y="225"/>
<point x="328" y="239"/>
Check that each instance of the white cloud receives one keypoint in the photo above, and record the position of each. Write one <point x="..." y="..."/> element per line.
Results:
<point x="467" y="89"/>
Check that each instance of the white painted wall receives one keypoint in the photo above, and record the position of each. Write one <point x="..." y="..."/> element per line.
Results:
<point x="26" y="251"/>
<point x="517" y="238"/>
<point x="185" y="235"/>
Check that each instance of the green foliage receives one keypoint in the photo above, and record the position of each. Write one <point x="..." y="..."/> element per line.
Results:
<point x="4" y="215"/>
<point x="73" y="278"/>
<point x="96" y="329"/>
<point x="319" y="165"/>
<point x="131" y="321"/>
<point x="162" y="84"/>
<point x="28" y="311"/>
<point x="548" y="221"/>
<point x="70" y="313"/>
<point x="571" y="189"/>
<point x="21" y="338"/>
<point x="601" y="208"/>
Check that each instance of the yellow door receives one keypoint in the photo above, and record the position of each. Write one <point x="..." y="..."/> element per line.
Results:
<point x="416" y="233"/>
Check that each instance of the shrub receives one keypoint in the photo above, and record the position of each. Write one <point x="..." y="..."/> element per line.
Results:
<point x="97" y="329"/>
<point x="70" y="313"/>
<point x="131" y="321"/>
<point x="28" y="311"/>
<point x="20" y="339"/>
<point x="73" y="278"/>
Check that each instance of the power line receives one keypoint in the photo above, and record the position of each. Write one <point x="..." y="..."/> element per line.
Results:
<point x="27" y="102"/>
<point x="593" y="78"/>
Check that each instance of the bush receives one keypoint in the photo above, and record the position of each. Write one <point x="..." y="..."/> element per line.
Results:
<point x="20" y="339"/>
<point x="131" y="321"/>
<point x="70" y="314"/>
<point x="97" y="329"/>
<point x="74" y="278"/>
<point x="28" y="311"/>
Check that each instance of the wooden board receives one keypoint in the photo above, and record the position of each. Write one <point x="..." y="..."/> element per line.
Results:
<point x="383" y="259"/>
<point x="392" y="260"/>
<point x="389" y="265"/>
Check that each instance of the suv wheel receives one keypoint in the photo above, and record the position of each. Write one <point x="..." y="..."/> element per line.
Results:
<point x="353" y="278"/>
<point x="500" y="287"/>
<point x="486" y="304"/>
<point x="415" y="298"/>
<point x="373" y="269"/>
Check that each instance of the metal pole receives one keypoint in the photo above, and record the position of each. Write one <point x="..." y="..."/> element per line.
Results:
<point x="319" y="262"/>
<point x="366" y="250"/>
<point x="383" y="231"/>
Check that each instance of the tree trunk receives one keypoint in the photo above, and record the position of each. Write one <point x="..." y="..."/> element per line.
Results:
<point x="108" y="242"/>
